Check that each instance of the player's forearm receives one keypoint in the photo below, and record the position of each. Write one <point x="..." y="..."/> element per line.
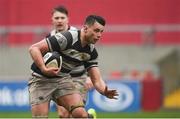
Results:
<point x="97" y="80"/>
<point x="99" y="85"/>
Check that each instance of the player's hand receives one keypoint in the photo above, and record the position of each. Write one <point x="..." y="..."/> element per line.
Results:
<point x="110" y="93"/>
<point x="51" y="71"/>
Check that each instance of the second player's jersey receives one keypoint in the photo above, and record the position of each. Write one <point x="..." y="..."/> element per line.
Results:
<point x="53" y="32"/>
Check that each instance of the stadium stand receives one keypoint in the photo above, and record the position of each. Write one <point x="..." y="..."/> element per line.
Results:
<point x="127" y="21"/>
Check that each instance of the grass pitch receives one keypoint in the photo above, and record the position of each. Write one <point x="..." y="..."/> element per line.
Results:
<point x="160" y="114"/>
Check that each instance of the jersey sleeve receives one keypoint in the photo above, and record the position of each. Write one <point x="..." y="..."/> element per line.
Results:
<point x="59" y="41"/>
<point x="93" y="62"/>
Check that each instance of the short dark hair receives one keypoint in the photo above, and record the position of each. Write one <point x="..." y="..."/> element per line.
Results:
<point x="91" y="19"/>
<point x="61" y="9"/>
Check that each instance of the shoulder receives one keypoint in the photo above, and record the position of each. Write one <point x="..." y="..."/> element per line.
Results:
<point x="52" y="33"/>
<point x="72" y="28"/>
<point x="69" y="35"/>
<point x="65" y="34"/>
<point x="73" y="32"/>
<point x="74" y="35"/>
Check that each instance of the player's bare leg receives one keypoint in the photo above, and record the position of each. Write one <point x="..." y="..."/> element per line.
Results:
<point x="40" y="110"/>
<point x="62" y="112"/>
<point x="74" y="104"/>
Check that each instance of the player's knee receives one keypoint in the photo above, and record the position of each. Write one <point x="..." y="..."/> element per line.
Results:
<point x="39" y="114"/>
<point x="79" y="112"/>
<point x="40" y="110"/>
<point x="63" y="114"/>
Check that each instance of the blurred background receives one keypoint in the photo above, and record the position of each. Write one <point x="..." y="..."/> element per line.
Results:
<point x="139" y="51"/>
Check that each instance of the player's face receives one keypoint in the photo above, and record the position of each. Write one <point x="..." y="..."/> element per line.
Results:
<point x="60" y="21"/>
<point x="94" y="32"/>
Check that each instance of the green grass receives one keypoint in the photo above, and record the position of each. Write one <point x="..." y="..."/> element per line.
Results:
<point x="160" y="114"/>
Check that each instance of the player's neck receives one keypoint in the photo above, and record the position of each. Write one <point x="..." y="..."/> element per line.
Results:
<point x="66" y="29"/>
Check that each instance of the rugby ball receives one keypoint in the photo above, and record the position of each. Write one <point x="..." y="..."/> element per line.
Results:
<point x="52" y="59"/>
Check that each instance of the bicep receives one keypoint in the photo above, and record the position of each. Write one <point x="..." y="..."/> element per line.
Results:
<point x="42" y="46"/>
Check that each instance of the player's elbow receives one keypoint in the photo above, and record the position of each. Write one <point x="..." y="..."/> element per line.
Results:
<point x="31" y="48"/>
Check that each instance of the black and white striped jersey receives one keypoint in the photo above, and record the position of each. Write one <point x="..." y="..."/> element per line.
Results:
<point x="53" y="32"/>
<point x="79" y="70"/>
<point x="68" y="44"/>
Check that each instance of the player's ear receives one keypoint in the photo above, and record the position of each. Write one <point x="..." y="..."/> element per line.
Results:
<point x="85" y="28"/>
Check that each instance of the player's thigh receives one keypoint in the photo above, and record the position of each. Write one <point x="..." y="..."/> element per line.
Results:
<point x="70" y="101"/>
<point x="65" y="87"/>
<point x="67" y="94"/>
<point x="40" y="91"/>
<point x="80" y="86"/>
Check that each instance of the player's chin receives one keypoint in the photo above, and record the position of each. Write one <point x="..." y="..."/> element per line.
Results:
<point x="93" y="42"/>
<point x="60" y="29"/>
